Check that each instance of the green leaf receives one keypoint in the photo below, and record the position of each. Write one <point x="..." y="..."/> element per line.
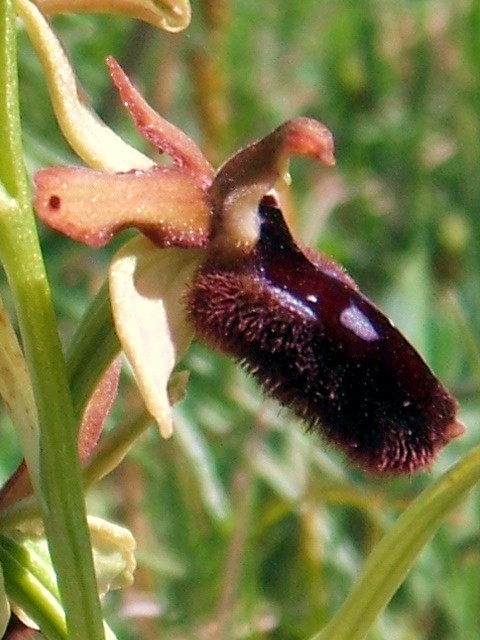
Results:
<point x="393" y="557"/>
<point x="30" y="578"/>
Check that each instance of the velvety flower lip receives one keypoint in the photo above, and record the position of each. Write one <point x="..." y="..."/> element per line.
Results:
<point x="317" y="345"/>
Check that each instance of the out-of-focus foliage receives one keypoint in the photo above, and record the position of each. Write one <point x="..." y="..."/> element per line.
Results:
<point x="247" y="527"/>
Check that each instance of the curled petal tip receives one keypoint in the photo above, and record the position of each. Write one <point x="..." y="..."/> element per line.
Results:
<point x="169" y="15"/>
<point x="306" y="137"/>
<point x="318" y="346"/>
<point x="242" y="182"/>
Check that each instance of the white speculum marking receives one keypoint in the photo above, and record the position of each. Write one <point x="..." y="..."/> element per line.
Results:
<point x="291" y="301"/>
<point x="352" y="318"/>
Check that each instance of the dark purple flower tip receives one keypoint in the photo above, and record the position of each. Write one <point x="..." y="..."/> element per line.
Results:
<point x="299" y="324"/>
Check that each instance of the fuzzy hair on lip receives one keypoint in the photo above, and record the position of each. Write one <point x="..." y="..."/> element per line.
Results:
<point x="315" y="343"/>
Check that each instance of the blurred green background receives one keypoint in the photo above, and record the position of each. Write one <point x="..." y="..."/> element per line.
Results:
<point x="248" y="527"/>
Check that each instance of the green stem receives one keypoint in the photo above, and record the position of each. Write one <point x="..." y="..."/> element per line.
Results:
<point x="59" y="486"/>
<point x="390" y="561"/>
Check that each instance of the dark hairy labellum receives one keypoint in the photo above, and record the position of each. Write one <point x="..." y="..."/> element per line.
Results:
<point x="316" y="344"/>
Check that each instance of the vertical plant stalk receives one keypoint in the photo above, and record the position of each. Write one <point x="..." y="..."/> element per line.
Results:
<point x="58" y="485"/>
<point x="393" y="557"/>
<point x="210" y="81"/>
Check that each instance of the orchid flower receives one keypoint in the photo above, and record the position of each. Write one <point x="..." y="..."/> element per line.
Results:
<point x="172" y="206"/>
<point x="216" y="258"/>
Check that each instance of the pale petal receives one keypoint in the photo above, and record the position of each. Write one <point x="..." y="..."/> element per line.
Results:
<point x="146" y="290"/>
<point x="169" y="15"/>
<point x="158" y="131"/>
<point x="89" y="137"/>
<point x="90" y="206"/>
<point x="113" y="554"/>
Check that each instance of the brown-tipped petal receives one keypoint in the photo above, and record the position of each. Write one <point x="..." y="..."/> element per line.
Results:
<point x="90" y="207"/>
<point x="158" y="131"/>
<point x="245" y="178"/>
<point x="169" y="15"/>
<point x="305" y="137"/>
<point x="97" y="410"/>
